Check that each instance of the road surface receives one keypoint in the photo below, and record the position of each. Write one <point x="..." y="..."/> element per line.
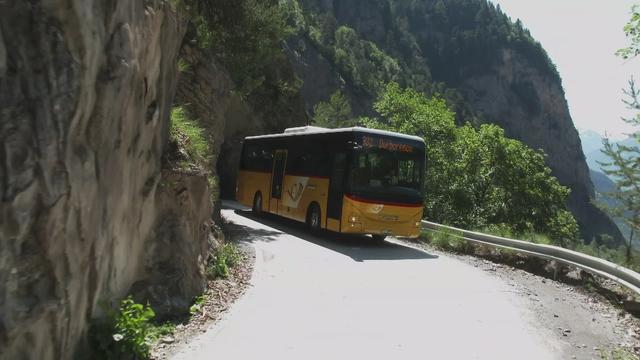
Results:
<point x="339" y="297"/>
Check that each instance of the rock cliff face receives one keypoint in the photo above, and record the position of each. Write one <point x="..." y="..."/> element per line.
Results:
<point x="87" y="211"/>
<point x="507" y="84"/>
<point x="541" y="120"/>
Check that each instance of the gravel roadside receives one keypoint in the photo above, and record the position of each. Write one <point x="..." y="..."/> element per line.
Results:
<point x="217" y="299"/>
<point x="588" y="325"/>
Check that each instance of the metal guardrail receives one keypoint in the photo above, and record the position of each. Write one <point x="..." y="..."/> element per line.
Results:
<point x="591" y="264"/>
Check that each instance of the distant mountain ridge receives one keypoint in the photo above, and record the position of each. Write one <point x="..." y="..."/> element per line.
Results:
<point x="592" y="148"/>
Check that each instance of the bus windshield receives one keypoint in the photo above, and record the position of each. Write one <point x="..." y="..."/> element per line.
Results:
<point x="377" y="171"/>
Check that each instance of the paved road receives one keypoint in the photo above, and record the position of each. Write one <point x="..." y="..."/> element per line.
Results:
<point x="337" y="297"/>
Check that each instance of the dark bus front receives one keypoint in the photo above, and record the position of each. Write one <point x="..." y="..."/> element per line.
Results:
<point x="384" y="191"/>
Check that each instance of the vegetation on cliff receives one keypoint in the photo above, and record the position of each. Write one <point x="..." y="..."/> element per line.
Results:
<point x="188" y="142"/>
<point x="246" y="37"/>
<point x="430" y="46"/>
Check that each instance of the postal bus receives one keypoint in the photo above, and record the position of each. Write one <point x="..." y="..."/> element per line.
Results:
<point x="350" y="180"/>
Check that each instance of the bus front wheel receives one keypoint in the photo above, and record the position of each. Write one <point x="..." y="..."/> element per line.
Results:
<point x="313" y="217"/>
<point x="378" y="237"/>
<point x="257" y="204"/>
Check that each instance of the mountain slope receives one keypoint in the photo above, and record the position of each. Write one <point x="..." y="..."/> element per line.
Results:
<point x="488" y="68"/>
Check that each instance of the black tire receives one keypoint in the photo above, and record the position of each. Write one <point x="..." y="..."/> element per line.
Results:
<point x="379" y="237"/>
<point x="314" y="217"/>
<point x="257" y="204"/>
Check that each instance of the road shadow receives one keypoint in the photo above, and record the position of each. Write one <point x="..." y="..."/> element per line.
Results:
<point x="358" y="247"/>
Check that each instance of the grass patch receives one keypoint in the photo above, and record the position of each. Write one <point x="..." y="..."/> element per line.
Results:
<point x="158" y="331"/>
<point x="449" y="240"/>
<point x="616" y="256"/>
<point x="225" y="257"/>
<point x="505" y="231"/>
<point x="189" y="136"/>
<point x="618" y="354"/>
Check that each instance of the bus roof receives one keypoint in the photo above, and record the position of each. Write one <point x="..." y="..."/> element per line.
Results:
<point x="308" y="130"/>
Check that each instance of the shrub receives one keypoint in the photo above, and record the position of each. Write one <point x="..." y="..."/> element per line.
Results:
<point x="125" y="333"/>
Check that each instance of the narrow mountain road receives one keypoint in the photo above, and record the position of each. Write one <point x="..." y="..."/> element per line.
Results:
<point x="339" y="297"/>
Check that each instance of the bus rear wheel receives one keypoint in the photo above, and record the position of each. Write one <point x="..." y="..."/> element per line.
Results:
<point x="257" y="204"/>
<point x="313" y="217"/>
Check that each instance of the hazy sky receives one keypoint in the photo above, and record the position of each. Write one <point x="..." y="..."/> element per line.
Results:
<point x="581" y="37"/>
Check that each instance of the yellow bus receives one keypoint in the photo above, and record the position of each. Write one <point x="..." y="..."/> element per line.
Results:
<point x="350" y="180"/>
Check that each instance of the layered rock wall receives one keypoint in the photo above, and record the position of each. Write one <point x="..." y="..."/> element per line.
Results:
<point x="85" y="93"/>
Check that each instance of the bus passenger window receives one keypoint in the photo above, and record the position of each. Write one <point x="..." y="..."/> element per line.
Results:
<point x="337" y="175"/>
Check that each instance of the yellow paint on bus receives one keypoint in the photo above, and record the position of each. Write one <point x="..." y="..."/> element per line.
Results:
<point x="371" y="217"/>
<point x="358" y="217"/>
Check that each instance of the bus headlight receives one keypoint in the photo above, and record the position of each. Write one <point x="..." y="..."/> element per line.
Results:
<point x="418" y="221"/>
<point x="354" y="218"/>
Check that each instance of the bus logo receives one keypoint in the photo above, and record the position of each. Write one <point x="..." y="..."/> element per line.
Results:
<point x="295" y="191"/>
<point x="295" y="186"/>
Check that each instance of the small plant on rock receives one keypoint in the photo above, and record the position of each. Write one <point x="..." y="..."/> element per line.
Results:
<point x="125" y="334"/>
<point x="197" y="305"/>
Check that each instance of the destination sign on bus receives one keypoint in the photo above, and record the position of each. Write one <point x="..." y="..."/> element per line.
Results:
<point x="380" y="143"/>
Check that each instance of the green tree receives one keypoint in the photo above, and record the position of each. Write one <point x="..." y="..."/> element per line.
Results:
<point x="624" y="164"/>
<point x="244" y="35"/>
<point x="477" y="177"/>
<point x="334" y="113"/>
<point x="624" y="169"/>
<point x="632" y="30"/>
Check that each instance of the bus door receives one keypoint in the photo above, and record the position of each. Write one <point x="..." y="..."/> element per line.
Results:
<point x="277" y="177"/>
<point x="336" y="187"/>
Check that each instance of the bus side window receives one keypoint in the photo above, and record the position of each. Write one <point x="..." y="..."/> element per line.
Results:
<point x="337" y="173"/>
<point x="308" y="161"/>
<point x="296" y="163"/>
<point x="322" y="161"/>
<point x="357" y="173"/>
<point x="248" y="155"/>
